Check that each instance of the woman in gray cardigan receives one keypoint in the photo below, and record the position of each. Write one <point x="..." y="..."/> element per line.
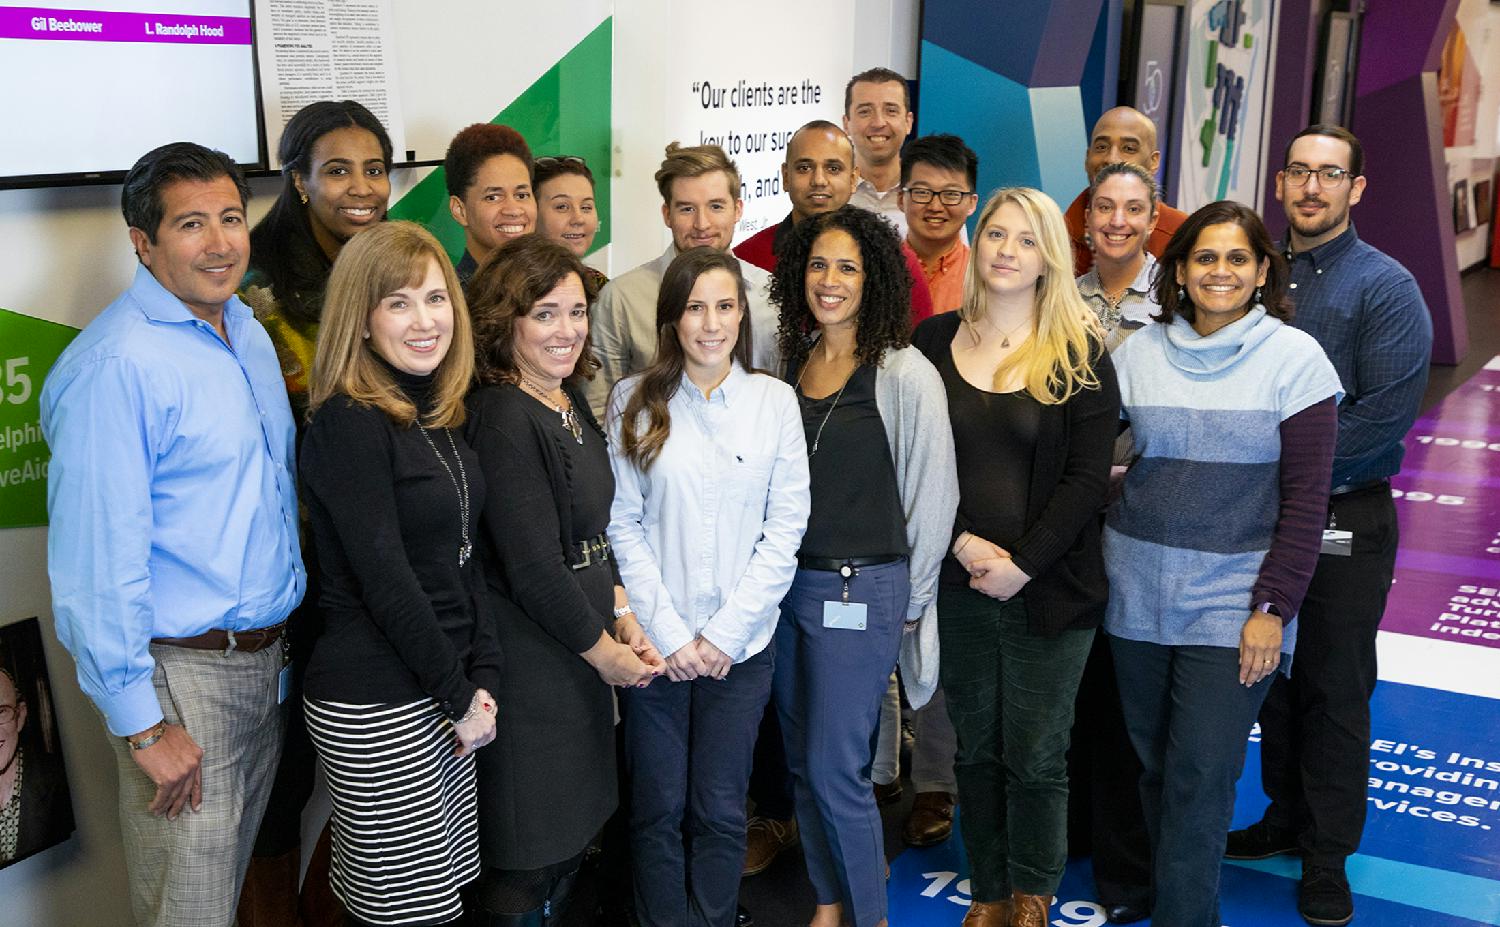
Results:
<point x="884" y="493"/>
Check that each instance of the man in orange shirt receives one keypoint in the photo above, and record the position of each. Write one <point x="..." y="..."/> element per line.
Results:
<point x="938" y="175"/>
<point x="1121" y="134"/>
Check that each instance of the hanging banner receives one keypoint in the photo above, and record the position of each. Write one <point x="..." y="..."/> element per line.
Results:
<point x="28" y="349"/>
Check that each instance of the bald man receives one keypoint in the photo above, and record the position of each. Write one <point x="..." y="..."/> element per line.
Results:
<point x="1121" y="134"/>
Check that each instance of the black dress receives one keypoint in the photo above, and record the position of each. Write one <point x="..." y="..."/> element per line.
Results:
<point x="547" y="784"/>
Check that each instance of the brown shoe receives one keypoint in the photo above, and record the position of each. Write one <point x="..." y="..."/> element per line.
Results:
<point x="764" y="839"/>
<point x="987" y="914"/>
<point x="1029" y="910"/>
<point x="887" y="793"/>
<point x="931" y="819"/>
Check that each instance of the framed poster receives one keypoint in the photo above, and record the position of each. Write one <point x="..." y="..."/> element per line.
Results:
<point x="1461" y="220"/>
<point x="36" y="809"/>
<point x="1155" y="92"/>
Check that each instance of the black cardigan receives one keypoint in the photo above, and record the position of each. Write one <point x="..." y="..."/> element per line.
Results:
<point x="1062" y="547"/>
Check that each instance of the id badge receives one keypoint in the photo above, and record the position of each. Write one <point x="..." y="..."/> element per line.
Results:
<point x="847" y="616"/>
<point x="284" y="684"/>
<point x="1338" y="543"/>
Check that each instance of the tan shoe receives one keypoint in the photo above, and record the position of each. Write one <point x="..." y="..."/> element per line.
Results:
<point x="764" y="839"/>
<point x="930" y="821"/>
<point x="1029" y="910"/>
<point x="988" y="914"/>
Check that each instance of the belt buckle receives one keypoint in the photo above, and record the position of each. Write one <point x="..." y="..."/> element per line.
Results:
<point x="230" y="647"/>
<point x="587" y="557"/>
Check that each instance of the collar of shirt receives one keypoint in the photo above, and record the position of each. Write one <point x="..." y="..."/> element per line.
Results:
<point x="944" y="261"/>
<point x="724" y="394"/>
<point x="160" y="305"/>
<point x="1090" y="285"/>
<point x="1323" y="256"/>
<point x="864" y="186"/>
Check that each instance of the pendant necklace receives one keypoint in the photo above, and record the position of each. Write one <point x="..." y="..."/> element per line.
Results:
<point x="460" y="486"/>
<point x="836" y="396"/>
<point x="569" y="416"/>
<point x="1004" y="335"/>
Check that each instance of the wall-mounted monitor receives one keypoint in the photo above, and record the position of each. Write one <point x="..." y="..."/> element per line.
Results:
<point x="88" y="86"/>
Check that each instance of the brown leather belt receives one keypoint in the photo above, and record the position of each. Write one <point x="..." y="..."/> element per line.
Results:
<point x="228" y="641"/>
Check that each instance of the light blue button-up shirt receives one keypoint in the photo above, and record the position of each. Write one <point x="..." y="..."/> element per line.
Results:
<point x="707" y="539"/>
<point x="171" y="492"/>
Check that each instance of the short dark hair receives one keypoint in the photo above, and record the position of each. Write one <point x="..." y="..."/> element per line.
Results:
<point x="141" y="200"/>
<point x="876" y="76"/>
<point x="942" y="151"/>
<point x="1356" y="150"/>
<point x="505" y="287"/>
<point x="476" y="144"/>
<point x="549" y="168"/>
<point x="1179" y="249"/>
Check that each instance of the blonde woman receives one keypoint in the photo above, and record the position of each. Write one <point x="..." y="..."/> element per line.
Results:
<point x="1034" y="407"/>
<point x="397" y="692"/>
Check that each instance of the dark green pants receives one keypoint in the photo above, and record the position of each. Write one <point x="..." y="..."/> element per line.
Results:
<point x="1010" y="696"/>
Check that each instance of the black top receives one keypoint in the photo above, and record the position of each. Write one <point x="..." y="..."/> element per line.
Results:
<point x="999" y="430"/>
<point x="548" y="783"/>
<point x="1060" y="546"/>
<point x="384" y="513"/>
<point x="856" y="502"/>
<point x="465" y="267"/>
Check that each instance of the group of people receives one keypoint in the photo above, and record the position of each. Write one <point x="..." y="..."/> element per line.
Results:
<point x="537" y="562"/>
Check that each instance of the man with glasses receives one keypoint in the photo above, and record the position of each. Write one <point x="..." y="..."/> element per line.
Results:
<point x="1368" y="314"/>
<point x="35" y="812"/>
<point x="938" y="176"/>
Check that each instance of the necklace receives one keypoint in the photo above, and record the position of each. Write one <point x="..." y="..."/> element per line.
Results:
<point x="1004" y="335"/>
<point x="460" y="486"/>
<point x="569" y="417"/>
<point x="836" y="396"/>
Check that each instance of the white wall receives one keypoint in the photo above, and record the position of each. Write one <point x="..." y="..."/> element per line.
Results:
<point x="66" y="256"/>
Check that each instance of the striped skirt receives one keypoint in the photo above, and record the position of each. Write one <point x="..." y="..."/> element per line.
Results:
<point x="405" y="819"/>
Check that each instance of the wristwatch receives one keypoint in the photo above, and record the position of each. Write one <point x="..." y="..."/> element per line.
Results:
<point x="1269" y="609"/>
<point x="622" y="611"/>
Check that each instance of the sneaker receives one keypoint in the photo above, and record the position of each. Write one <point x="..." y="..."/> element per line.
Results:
<point x="764" y="839"/>
<point x="1259" y="841"/>
<point x="1324" y="896"/>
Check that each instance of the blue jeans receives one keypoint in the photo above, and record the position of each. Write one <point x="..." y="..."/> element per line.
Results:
<point x="689" y="747"/>
<point x="1010" y="695"/>
<point x="829" y="683"/>
<point x="1189" y="719"/>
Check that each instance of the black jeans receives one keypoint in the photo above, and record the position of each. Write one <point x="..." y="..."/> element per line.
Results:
<point x="1315" y="726"/>
<point x="1010" y="696"/>
<point x="1189" y="719"/>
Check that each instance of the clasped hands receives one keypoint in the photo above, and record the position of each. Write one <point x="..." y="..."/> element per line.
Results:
<point x="477" y="727"/>
<point x="991" y="569"/>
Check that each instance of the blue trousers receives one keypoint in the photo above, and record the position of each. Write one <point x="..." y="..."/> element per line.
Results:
<point x="689" y="748"/>
<point x="1189" y="719"/>
<point x="829" y="684"/>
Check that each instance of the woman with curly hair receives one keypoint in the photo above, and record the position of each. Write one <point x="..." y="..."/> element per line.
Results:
<point x="550" y="784"/>
<point x="884" y="491"/>
<point x="1035" y="409"/>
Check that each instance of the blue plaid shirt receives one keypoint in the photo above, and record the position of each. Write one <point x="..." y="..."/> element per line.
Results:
<point x="1366" y="311"/>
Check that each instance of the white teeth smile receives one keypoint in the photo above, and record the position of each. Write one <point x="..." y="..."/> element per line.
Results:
<point x="1118" y="237"/>
<point x="422" y="345"/>
<point x="562" y="351"/>
<point x="1220" y="287"/>
<point x="511" y="229"/>
<point x="830" y="301"/>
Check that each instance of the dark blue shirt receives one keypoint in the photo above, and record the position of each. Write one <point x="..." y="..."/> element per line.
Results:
<point x="1367" y="312"/>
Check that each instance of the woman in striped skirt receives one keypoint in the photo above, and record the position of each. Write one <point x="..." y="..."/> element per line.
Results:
<point x="397" y="691"/>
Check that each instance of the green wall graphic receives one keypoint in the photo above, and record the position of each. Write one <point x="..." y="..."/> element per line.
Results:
<point x="28" y="349"/>
<point x="566" y="111"/>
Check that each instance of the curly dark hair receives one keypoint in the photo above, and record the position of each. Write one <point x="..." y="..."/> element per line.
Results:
<point x="884" y="304"/>
<point x="1175" y="257"/>
<point x="505" y="287"/>
<point x="476" y="144"/>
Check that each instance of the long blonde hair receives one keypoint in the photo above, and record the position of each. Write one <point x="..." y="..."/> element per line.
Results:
<point x="372" y="265"/>
<point x="1057" y="361"/>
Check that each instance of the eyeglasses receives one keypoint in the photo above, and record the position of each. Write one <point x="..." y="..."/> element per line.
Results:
<point x="922" y="196"/>
<point x="8" y="713"/>
<point x="1327" y="176"/>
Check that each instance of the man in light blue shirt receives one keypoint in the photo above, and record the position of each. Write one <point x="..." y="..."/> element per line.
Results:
<point x="173" y="548"/>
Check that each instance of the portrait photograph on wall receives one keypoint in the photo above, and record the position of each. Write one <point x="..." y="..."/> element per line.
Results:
<point x="36" y="809"/>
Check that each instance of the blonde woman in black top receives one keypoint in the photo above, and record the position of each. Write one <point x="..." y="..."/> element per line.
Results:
<point x="398" y="689"/>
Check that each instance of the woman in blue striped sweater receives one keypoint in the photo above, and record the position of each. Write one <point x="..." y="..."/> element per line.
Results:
<point x="1214" y="539"/>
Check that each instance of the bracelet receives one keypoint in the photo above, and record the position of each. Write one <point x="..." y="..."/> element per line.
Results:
<point x="622" y="611"/>
<point x="477" y="704"/>
<point x="963" y="545"/>
<point x="150" y="739"/>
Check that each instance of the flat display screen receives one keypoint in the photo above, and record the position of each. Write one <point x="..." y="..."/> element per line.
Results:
<point x="89" y="87"/>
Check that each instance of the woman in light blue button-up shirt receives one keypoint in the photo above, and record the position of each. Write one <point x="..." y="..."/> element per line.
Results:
<point x="711" y="501"/>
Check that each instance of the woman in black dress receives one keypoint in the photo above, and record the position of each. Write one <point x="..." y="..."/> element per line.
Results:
<point x="549" y="785"/>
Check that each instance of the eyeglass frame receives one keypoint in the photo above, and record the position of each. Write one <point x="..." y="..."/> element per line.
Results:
<point x="13" y="710"/>
<point x="942" y="195"/>
<point x="1291" y="170"/>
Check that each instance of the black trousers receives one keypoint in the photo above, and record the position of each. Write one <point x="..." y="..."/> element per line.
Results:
<point x="1105" y="820"/>
<point x="1315" y="725"/>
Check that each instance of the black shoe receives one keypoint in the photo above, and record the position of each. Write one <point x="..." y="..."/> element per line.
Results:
<point x="1324" y="896"/>
<point x="742" y="917"/>
<point x="1125" y="913"/>
<point x="1259" y="841"/>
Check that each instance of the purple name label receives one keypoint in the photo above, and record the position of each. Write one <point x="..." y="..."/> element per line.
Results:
<point x="30" y="22"/>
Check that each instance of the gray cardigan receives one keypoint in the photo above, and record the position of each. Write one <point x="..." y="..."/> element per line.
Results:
<point x="914" y="408"/>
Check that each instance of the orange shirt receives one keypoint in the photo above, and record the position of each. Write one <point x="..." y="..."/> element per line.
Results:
<point x="1167" y="221"/>
<point x="945" y="276"/>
